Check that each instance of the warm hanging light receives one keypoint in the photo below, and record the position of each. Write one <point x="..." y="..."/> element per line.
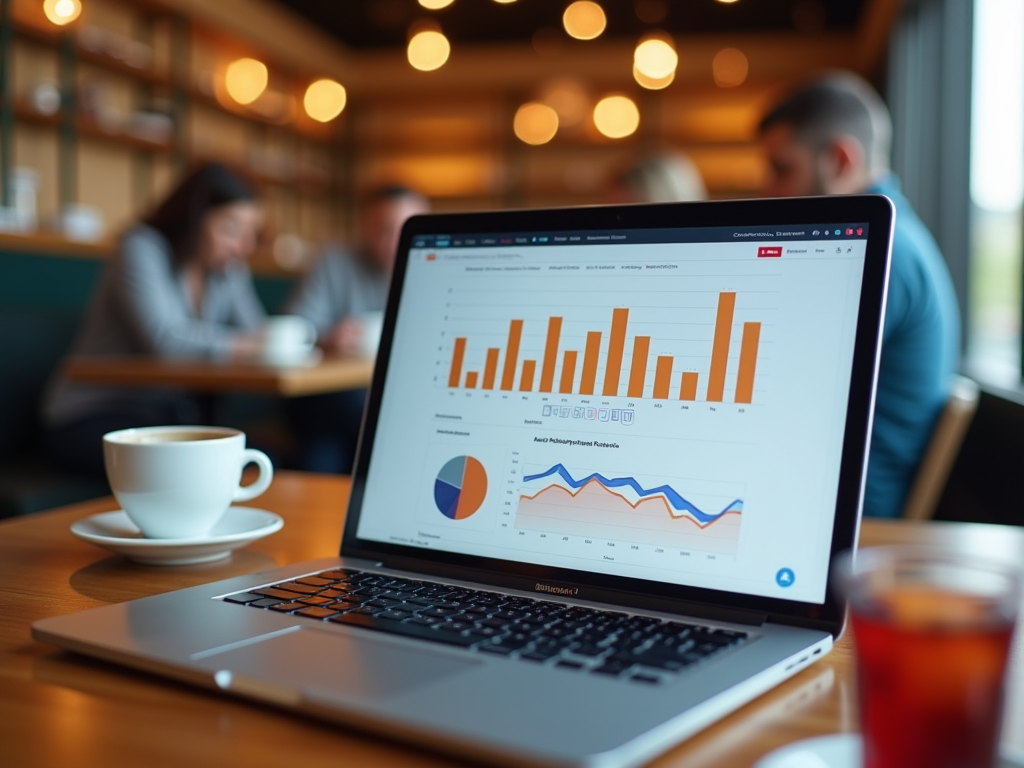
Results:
<point x="655" y="58"/>
<point x="569" y="98"/>
<point x="616" y="116"/>
<point x="435" y="5"/>
<point x="428" y="50"/>
<point x="652" y="83"/>
<point x="504" y="2"/>
<point x="324" y="100"/>
<point x="584" y="20"/>
<point x="535" y="123"/>
<point x="62" y="12"/>
<point x="729" y="68"/>
<point x="246" y="80"/>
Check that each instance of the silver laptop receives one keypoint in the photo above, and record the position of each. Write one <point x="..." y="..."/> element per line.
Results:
<point x="607" y="458"/>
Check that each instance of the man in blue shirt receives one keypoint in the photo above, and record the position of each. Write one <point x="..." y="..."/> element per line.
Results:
<point x="832" y="137"/>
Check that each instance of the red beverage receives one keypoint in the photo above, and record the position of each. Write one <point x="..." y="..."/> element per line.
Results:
<point x="930" y="668"/>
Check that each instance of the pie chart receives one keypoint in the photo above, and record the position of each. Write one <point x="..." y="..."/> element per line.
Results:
<point x="460" y="487"/>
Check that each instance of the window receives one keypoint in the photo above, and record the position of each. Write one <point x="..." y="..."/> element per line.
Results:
<point x="997" y="188"/>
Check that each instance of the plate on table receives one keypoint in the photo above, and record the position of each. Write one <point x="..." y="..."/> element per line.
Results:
<point x="844" y="750"/>
<point x="114" y="531"/>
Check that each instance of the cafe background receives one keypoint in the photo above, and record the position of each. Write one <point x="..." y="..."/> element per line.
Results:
<point x="479" y="104"/>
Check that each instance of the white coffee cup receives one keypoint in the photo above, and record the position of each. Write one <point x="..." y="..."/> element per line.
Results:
<point x="287" y="339"/>
<point x="177" y="482"/>
<point x="372" y="326"/>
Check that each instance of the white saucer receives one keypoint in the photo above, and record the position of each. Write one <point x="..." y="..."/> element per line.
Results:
<point x="840" y="750"/>
<point x="115" y="532"/>
<point x="301" y="359"/>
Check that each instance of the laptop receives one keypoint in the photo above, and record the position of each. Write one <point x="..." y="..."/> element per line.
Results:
<point x="607" y="459"/>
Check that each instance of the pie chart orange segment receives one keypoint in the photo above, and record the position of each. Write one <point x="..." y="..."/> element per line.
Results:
<point x="460" y="487"/>
<point x="474" y="489"/>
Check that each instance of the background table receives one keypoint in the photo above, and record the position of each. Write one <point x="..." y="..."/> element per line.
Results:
<point x="332" y="374"/>
<point x="61" y="709"/>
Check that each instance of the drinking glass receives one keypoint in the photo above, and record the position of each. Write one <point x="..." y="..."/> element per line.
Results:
<point x="932" y="633"/>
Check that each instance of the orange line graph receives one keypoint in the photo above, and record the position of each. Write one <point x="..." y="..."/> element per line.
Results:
<point x="653" y="500"/>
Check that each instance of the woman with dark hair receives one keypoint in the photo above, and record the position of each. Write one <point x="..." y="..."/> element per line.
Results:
<point x="178" y="287"/>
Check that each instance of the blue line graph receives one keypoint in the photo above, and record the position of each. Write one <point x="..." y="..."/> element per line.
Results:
<point x="673" y="497"/>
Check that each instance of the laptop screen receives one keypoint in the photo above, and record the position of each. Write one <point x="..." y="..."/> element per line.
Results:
<point x="660" y="404"/>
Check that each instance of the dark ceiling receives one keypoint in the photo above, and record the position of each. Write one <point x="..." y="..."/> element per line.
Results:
<point x="369" y="24"/>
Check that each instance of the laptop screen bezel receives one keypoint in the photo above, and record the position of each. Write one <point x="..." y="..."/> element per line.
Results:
<point x="875" y="210"/>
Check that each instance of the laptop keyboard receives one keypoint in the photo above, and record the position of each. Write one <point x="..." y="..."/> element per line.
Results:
<point x="611" y="643"/>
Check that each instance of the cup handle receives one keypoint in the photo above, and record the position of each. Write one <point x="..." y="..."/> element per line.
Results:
<point x="260" y="459"/>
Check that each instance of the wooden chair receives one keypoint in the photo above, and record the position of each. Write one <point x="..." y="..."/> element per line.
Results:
<point x="942" y="450"/>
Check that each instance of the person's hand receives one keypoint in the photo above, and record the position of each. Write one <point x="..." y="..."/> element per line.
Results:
<point x="345" y="338"/>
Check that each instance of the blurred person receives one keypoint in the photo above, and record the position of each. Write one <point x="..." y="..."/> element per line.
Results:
<point x="832" y="137"/>
<point x="662" y="177"/>
<point x="344" y="295"/>
<point x="177" y="287"/>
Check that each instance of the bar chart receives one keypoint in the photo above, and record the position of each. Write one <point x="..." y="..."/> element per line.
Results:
<point x="611" y="361"/>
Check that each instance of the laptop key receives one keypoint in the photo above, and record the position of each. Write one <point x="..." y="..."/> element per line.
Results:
<point x="314" y="581"/>
<point x="287" y="607"/>
<point x="294" y="586"/>
<point x="316" y="612"/>
<point x="406" y="629"/>
<point x="266" y="602"/>
<point x="274" y="592"/>
<point x="244" y="598"/>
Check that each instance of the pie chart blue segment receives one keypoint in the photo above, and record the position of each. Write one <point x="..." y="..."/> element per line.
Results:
<point x="460" y="487"/>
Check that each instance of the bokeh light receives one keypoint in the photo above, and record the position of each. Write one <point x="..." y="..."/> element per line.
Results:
<point x="729" y="68"/>
<point x="569" y="98"/>
<point x="616" y="116"/>
<point x="428" y="50"/>
<point x="655" y="58"/>
<point x="584" y="20"/>
<point x="245" y="80"/>
<point x="324" y="100"/>
<point x="535" y="123"/>
<point x="62" y="12"/>
<point x="653" y="83"/>
<point x="435" y="5"/>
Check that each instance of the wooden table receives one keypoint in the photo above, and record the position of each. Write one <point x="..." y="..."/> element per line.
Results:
<point x="332" y="374"/>
<point x="60" y="709"/>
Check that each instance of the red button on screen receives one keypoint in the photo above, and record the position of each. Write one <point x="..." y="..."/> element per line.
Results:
<point x="770" y="252"/>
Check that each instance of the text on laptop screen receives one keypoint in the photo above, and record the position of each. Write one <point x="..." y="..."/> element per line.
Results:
<point x="656" y="404"/>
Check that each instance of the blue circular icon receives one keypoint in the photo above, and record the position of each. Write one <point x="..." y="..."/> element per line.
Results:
<point x="785" y="577"/>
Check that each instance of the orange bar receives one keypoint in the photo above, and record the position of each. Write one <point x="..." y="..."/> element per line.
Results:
<point x="590" y="356"/>
<point x="457" y="355"/>
<point x="720" y="348"/>
<point x="688" y="388"/>
<point x="526" y="381"/>
<point x="508" y="373"/>
<point x="638" y="367"/>
<point x="547" y="373"/>
<point x="616" y="345"/>
<point x="471" y="379"/>
<point x="568" y="372"/>
<point x="490" y="368"/>
<point x="662" y="377"/>
<point x="748" y="362"/>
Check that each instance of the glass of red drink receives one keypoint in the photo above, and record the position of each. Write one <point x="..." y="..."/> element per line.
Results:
<point x="932" y="633"/>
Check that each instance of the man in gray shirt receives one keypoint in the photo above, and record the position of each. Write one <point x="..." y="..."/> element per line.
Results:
<point x="344" y="295"/>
